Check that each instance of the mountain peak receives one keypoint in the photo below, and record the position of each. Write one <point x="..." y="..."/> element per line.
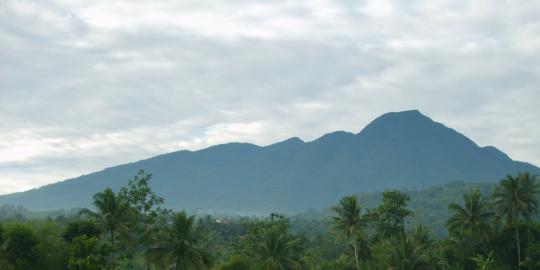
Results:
<point x="335" y="135"/>
<point x="409" y="112"/>
<point x="293" y="140"/>
<point x="404" y="120"/>
<point x="288" y="142"/>
<point x="403" y="116"/>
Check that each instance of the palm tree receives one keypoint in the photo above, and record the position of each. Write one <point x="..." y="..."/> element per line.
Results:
<point x="473" y="219"/>
<point x="484" y="262"/>
<point x="112" y="213"/>
<point x="422" y="235"/>
<point x="408" y="253"/>
<point x="517" y="197"/>
<point x="276" y="249"/>
<point x="350" y="222"/>
<point x="178" y="244"/>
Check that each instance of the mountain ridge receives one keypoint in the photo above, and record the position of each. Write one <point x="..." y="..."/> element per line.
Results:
<point x="396" y="150"/>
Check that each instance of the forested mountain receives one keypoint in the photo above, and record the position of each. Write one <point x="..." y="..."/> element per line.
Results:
<point x="396" y="150"/>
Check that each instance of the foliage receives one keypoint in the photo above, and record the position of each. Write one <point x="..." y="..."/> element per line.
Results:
<point x="113" y="214"/>
<point x="87" y="254"/>
<point x="484" y="262"/>
<point x="237" y="262"/>
<point x="517" y="197"/>
<point x="473" y="220"/>
<point x="146" y="206"/>
<point x="391" y="213"/>
<point x="78" y="228"/>
<point x="52" y="249"/>
<point x="349" y="220"/>
<point x="408" y="253"/>
<point x="532" y="259"/>
<point x="273" y="246"/>
<point x="139" y="195"/>
<point x="177" y="244"/>
<point x="21" y="247"/>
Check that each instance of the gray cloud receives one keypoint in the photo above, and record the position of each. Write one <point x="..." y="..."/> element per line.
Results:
<point x="86" y="85"/>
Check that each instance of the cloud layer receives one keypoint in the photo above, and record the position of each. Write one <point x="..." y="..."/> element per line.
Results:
<point x="90" y="84"/>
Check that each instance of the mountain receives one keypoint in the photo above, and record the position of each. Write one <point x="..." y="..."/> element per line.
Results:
<point x="396" y="150"/>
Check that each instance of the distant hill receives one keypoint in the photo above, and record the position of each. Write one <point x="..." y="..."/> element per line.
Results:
<point x="396" y="150"/>
<point x="429" y="205"/>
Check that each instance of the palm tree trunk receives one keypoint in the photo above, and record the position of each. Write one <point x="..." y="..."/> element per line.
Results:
<point x="474" y="241"/>
<point x="145" y="214"/>
<point x="518" y="247"/>
<point x="112" y="250"/>
<point x="515" y="217"/>
<point x="355" y="248"/>
<point x="177" y="267"/>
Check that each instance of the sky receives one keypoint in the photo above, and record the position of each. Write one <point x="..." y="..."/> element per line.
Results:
<point x="86" y="85"/>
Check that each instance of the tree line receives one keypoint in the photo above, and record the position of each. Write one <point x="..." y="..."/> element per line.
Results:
<point x="132" y="229"/>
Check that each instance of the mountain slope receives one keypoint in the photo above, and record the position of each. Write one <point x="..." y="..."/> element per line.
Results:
<point x="404" y="149"/>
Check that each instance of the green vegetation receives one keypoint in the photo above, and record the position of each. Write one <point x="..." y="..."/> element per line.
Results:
<point x="473" y="221"/>
<point x="487" y="227"/>
<point x="350" y="222"/>
<point x="517" y="197"/>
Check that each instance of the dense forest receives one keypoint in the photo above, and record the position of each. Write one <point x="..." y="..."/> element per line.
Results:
<point x="489" y="227"/>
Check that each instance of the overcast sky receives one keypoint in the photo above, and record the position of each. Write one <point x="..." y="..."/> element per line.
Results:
<point x="86" y="85"/>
